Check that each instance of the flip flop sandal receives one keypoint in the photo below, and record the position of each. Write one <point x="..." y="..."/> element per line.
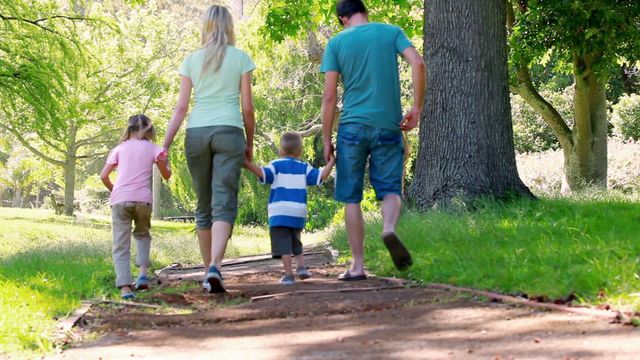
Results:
<point x="399" y="254"/>
<point x="142" y="283"/>
<point x="346" y="276"/>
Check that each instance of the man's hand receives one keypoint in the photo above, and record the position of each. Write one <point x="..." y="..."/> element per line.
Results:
<point x="248" y="154"/>
<point x="411" y="119"/>
<point x="328" y="151"/>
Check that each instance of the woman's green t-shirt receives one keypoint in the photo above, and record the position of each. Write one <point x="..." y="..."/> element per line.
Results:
<point x="217" y="92"/>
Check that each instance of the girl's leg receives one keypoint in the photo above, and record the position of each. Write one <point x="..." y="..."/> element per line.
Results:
<point x="121" y="250"/>
<point x="142" y="220"/>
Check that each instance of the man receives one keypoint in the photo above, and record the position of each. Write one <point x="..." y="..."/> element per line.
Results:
<point x="365" y="56"/>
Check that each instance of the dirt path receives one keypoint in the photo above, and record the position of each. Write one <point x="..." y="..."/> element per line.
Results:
<point x="393" y="323"/>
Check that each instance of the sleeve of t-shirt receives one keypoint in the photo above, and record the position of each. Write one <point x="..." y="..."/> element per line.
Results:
<point x="314" y="176"/>
<point x="268" y="175"/>
<point x="330" y="59"/>
<point x="184" y="67"/>
<point x="247" y="64"/>
<point x="113" y="157"/>
<point x="159" y="153"/>
<point x="402" y="42"/>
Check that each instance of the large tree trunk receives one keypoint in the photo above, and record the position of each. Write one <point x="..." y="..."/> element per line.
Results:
<point x="70" y="170"/>
<point x="586" y="160"/>
<point x="157" y="192"/>
<point x="466" y="137"/>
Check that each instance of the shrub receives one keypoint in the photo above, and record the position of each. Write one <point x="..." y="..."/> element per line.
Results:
<point x="530" y="132"/>
<point x="626" y="117"/>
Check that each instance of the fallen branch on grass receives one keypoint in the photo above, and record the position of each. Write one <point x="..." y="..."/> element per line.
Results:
<point x="132" y="304"/>
<point x="346" y="290"/>
<point x="616" y="316"/>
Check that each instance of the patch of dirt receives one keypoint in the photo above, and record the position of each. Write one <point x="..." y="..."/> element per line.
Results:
<point x="307" y="322"/>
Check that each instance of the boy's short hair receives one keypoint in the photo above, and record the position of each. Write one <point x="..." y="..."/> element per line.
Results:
<point x="291" y="143"/>
<point x="348" y="8"/>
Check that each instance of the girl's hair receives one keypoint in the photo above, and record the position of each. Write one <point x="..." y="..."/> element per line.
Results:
<point x="139" y="126"/>
<point x="217" y="33"/>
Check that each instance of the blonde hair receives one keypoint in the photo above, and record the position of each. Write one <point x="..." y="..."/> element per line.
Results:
<point x="139" y="126"/>
<point x="291" y="143"/>
<point x="217" y="33"/>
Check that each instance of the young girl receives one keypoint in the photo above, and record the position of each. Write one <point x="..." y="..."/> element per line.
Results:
<point x="131" y="199"/>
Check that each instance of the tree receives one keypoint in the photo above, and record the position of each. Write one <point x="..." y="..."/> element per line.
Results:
<point x="592" y="37"/>
<point x="466" y="137"/>
<point x="127" y="77"/>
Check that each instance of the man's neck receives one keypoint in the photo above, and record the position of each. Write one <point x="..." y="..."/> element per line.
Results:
<point x="357" y="20"/>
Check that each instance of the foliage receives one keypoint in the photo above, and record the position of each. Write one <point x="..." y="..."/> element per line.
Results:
<point x="49" y="263"/>
<point x="294" y="19"/>
<point x="604" y="29"/>
<point x="626" y="117"/>
<point x="38" y="38"/>
<point x="530" y="132"/>
<point x="585" y="246"/>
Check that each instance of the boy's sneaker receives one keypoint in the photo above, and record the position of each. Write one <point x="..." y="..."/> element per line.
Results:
<point x="206" y="286"/>
<point x="287" y="280"/>
<point x="303" y="273"/>
<point x="214" y="278"/>
<point x="142" y="283"/>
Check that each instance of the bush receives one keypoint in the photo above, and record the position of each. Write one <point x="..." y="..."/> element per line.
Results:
<point x="626" y="117"/>
<point x="530" y="132"/>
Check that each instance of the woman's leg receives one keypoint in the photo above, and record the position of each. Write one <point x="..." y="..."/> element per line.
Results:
<point x="220" y="234"/>
<point x="204" y="240"/>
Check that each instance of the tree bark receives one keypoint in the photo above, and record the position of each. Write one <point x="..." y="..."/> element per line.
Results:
<point x="157" y="192"/>
<point x="586" y="161"/>
<point x="466" y="138"/>
<point x="70" y="170"/>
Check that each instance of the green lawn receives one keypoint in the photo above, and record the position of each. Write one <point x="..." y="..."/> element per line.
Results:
<point x="550" y="247"/>
<point x="49" y="263"/>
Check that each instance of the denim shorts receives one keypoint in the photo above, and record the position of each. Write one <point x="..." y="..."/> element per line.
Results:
<point x="384" y="151"/>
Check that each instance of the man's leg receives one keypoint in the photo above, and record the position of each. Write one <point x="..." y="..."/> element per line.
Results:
<point x="355" y="232"/>
<point x="391" y="206"/>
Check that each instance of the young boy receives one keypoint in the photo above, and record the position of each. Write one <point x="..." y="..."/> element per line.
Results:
<point x="289" y="178"/>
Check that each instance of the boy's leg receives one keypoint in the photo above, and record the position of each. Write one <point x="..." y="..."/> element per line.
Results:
<point x="142" y="220"/>
<point x="286" y="263"/>
<point x="121" y="250"/>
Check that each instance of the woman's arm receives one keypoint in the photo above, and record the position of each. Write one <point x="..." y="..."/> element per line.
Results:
<point x="248" y="113"/>
<point x="180" y="111"/>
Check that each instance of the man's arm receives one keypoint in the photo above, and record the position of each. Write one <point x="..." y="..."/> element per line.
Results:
<point x="418" y="70"/>
<point x="329" y="102"/>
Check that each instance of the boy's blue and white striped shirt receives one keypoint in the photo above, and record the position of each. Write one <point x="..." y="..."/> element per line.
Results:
<point x="289" y="178"/>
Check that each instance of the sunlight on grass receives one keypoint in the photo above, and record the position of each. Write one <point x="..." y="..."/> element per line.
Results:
<point x="549" y="247"/>
<point x="49" y="263"/>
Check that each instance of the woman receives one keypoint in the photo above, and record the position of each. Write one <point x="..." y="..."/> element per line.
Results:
<point x="215" y="144"/>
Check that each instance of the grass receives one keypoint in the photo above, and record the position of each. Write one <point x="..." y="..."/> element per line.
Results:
<point x="549" y="247"/>
<point x="49" y="263"/>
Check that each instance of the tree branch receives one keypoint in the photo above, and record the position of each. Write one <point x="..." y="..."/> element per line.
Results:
<point x="94" y="139"/>
<point x="27" y="145"/>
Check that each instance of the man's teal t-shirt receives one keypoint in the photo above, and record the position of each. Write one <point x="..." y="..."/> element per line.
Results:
<point x="366" y="56"/>
<point x="217" y="93"/>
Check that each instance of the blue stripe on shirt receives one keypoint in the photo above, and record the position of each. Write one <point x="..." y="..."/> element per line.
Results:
<point x="287" y="221"/>
<point x="293" y="195"/>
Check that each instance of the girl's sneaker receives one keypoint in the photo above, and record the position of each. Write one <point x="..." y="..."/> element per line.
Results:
<point x="287" y="280"/>
<point x="142" y="283"/>
<point x="214" y="278"/>
<point x="303" y="273"/>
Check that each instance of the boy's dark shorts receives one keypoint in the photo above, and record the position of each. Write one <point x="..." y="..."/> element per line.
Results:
<point x="285" y="241"/>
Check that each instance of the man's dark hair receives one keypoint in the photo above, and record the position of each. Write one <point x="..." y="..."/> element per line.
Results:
<point x="348" y="8"/>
